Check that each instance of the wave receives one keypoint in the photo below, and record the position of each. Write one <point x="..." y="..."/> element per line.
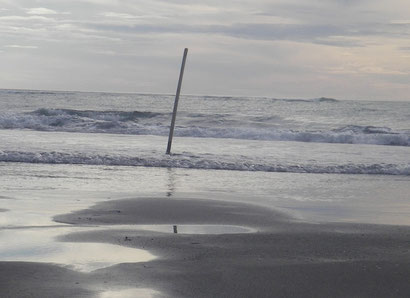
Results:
<point x="35" y="92"/>
<point x="68" y="120"/>
<point x="312" y="100"/>
<point x="97" y="115"/>
<point x="195" y="125"/>
<point x="289" y="100"/>
<point x="365" y="129"/>
<point x="199" y="162"/>
<point x="345" y="136"/>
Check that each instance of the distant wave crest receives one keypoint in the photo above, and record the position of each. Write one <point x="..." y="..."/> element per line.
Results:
<point x="313" y="100"/>
<point x="199" y="162"/>
<point x="289" y="100"/>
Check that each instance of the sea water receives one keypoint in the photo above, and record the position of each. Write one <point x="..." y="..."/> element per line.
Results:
<point x="318" y="160"/>
<point x="321" y="135"/>
<point x="254" y="139"/>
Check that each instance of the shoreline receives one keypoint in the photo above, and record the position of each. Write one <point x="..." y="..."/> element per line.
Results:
<point x="284" y="258"/>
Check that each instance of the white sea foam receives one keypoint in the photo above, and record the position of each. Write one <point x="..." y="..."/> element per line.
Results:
<point x="270" y="128"/>
<point x="205" y="161"/>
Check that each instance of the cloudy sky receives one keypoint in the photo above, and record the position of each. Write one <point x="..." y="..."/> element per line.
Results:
<point x="346" y="49"/>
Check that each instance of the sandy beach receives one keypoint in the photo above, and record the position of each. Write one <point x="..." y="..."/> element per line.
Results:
<point x="279" y="257"/>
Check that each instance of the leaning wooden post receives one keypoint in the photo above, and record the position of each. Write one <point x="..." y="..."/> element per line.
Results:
<point x="174" y="114"/>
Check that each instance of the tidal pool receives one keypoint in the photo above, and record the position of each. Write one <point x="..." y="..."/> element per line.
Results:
<point x="40" y="245"/>
<point x="129" y="293"/>
<point x="192" y="229"/>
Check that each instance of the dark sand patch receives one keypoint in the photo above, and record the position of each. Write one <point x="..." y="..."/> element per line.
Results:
<point x="20" y="279"/>
<point x="285" y="259"/>
<point x="26" y="279"/>
<point x="175" y="211"/>
<point x="4" y="210"/>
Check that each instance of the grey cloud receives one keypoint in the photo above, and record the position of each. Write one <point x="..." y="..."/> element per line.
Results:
<point x="41" y="11"/>
<point x="254" y="31"/>
<point x="17" y="18"/>
<point x="348" y="2"/>
<point x="281" y="32"/>
<point x="339" y="43"/>
<point x="320" y="34"/>
<point x="21" y="46"/>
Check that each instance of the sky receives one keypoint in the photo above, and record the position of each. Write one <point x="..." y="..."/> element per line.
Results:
<point x="344" y="49"/>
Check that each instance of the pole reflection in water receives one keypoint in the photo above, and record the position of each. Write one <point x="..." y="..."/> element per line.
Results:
<point x="171" y="182"/>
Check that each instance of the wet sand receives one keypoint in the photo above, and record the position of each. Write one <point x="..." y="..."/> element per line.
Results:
<point x="283" y="258"/>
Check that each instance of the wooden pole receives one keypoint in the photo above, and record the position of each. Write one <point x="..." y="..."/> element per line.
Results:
<point x="174" y="114"/>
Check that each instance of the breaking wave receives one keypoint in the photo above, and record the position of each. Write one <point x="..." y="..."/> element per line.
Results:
<point x="363" y="135"/>
<point x="98" y="115"/>
<point x="199" y="162"/>
<point x="195" y="125"/>
<point x="69" y="120"/>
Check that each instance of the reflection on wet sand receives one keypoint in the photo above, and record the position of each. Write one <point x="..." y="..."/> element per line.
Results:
<point x="39" y="245"/>
<point x="171" y="182"/>
<point x="129" y="293"/>
<point x="190" y="229"/>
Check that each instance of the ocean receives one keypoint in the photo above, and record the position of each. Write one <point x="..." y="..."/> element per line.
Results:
<point x="230" y="133"/>
<point x="319" y="159"/>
